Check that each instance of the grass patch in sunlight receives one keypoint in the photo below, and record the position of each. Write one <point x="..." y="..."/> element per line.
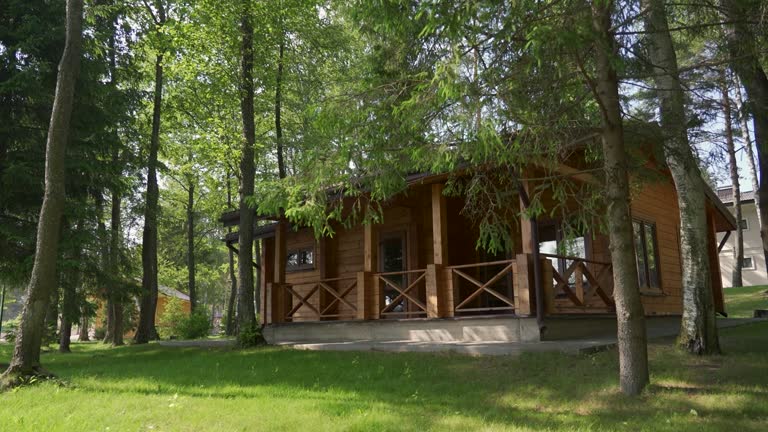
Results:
<point x="741" y="302"/>
<point x="138" y="388"/>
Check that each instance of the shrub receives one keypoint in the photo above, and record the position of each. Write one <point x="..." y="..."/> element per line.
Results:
<point x="10" y="328"/>
<point x="176" y="323"/>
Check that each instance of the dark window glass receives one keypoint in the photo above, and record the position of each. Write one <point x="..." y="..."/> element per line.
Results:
<point x="744" y="224"/>
<point x="300" y="259"/>
<point x="747" y="263"/>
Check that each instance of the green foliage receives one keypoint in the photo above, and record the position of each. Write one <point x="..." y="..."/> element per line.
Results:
<point x="176" y="323"/>
<point x="250" y="337"/>
<point x="10" y="328"/>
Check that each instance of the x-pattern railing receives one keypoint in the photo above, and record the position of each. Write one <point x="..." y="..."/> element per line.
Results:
<point x="598" y="283"/>
<point x="339" y="296"/>
<point x="484" y="287"/>
<point x="408" y="290"/>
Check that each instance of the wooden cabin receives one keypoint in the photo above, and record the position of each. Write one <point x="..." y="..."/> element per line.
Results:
<point x="419" y="270"/>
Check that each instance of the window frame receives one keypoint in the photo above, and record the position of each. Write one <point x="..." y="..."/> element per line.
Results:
<point x="647" y="288"/>
<point x="751" y="260"/>
<point x="745" y="227"/>
<point x="301" y="266"/>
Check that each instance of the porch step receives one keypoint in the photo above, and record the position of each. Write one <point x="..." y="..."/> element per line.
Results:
<point x="454" y="330"/>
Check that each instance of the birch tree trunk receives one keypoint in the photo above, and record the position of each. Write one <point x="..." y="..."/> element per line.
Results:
<point x="738" y="249"/>
<point x="26" y="353"/>
<point x="246" y="314"/>
<point x="698" y="330"/>
<point x="146" y="327"/>
<point x="745" y="136"/>
<point x="745" y="61"/>
<point x="632" y="342"/>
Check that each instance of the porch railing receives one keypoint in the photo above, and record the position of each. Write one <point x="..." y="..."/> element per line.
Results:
<point x="580" y="285"/>
<point x="323" y="299"/>
<point x="469" y="303"/>
<point x="410" y="300"/>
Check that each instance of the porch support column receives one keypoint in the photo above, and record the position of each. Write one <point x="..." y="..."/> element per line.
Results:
<point x="530" y="241"/>
<point x="439" y="291"/>
<point x="280" y="252"/>
<point x="367" y="286"/>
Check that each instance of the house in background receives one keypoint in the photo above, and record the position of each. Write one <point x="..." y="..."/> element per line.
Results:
<point x="753" y="268"/>
<point x="164" y="294"/>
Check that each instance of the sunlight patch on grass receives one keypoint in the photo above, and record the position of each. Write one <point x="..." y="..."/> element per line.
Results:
<point x="151" y="387"/>
<point x="741" y="302"/>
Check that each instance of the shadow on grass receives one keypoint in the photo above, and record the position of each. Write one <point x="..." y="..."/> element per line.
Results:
<point x="534" y="390"/>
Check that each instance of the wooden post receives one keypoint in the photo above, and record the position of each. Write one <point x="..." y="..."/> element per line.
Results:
<point x="433" y="309"/>
<point x="526" y="226"/>
<point x="439" y="296"/>
<point x="439" y="225"/>
<point x="447" y="307"/>
<point x="281" y="253"/>
<point x="524" y="285"/>
<point x="367" y="296"/>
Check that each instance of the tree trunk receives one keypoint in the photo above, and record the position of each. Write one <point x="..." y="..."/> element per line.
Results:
<point x="698" y="330"/>
<point x="230" y="327"/>
<point x="191" y="245"/>
<point x="82" y="335"/>
<point x="146" y="328"/>
<point x="745" y="61"/>
<point x="26" y="354"/>
<point x="69" y="310"/>
<point x="246" y="315"/>
<point x="115" y="295"/>
<point x="744" y="122"/>
<point x="738" y="249"/>
<point x="278" y="107"/>
<point x="632" y="343"/>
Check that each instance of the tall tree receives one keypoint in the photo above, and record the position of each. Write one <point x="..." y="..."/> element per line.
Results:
<point x="230" y="324"/>
<point x="246" y="313"/>
<point x="26" y="354"/>
<point x="698" y="330"/>
<point x="632" y="339"/>
<point x="738" y="249"/>
<point x="745" y="136"/>
<point x="146" y="326"/>
<point x="745" y="58"/>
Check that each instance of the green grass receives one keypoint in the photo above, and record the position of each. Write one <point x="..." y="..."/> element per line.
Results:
<point x="742" y="301"/>
<point x="143" y="388"/>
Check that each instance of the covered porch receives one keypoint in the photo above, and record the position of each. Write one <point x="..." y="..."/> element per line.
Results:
<point x="421" y="263"/>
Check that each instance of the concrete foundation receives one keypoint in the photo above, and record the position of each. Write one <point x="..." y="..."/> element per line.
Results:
<point x="475" y="329"/>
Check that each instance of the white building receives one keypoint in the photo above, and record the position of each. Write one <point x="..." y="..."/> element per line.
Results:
<point x="754" y="270"/>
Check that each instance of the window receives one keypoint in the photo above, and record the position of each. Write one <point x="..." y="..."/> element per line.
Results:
<point x="747" y="263"/>
<point x="744" y="225"/>
<point x="647" y="252"/>
<point x="300" y="259"/>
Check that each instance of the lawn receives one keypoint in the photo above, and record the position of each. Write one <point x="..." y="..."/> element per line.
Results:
<point x="143" y="388"/>
<point x="742" y="301"/>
